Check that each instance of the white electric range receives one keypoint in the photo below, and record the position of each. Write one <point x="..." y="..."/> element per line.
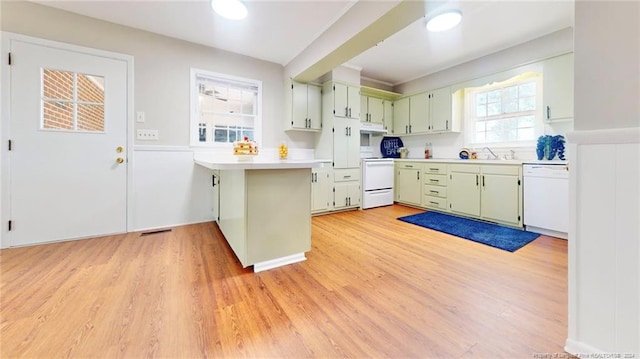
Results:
<point x="377" y="182"/>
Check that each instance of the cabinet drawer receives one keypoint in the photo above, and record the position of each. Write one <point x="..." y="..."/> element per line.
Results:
<point x="435" y="168"/>
<point x="501" y="170"/>
<point x="435" y="191"/>
<point x="434" y="202"/>
<point x="347" y="174"/>
<point x="435" y="180"/>
<point x="466" y="168"/>
<point x="409" y="165"/>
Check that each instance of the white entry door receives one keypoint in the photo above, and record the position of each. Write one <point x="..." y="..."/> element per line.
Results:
<point x="68" y="132"/>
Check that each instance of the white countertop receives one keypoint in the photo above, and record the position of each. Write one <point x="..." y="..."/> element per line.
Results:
<point x="483" y="162"/>
<point x="255" y="163"/>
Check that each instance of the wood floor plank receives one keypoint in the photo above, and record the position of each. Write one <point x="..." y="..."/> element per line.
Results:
<point x="372" y="286"/>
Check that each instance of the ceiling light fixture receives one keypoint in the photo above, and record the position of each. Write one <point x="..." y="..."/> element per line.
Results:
<point x="230" y="9"/>
<point x="444" y="21"/>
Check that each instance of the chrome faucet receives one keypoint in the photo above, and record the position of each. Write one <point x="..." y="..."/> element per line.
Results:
<point x="495" y="157"/>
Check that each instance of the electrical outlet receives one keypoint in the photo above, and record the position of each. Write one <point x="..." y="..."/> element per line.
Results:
<point x="150" y="135"/>
<point x="140" y="117"/>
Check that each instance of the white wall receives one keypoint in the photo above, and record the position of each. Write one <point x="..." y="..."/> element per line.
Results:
<point x="169" y="189"/>
<point x="607" y="74"/>
<point x="161" y="67"/>
<point x="604" y="249"/>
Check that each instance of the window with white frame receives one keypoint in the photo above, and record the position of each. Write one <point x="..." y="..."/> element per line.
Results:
<point x="504" y="114"/>
<point x="224" y="108"/>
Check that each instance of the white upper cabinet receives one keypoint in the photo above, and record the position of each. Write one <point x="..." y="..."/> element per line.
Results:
<point x="372" y="109"/>
<point x="419" y="106"/>
<point x="346" y="143"/>
<point x="426" y="112"/>
<point x="304" y="107"/>
<point x="346" y="100"/>
<point x="557" y="88"/>
<point x="440" y="118"/>
<point x="401" y="116"/>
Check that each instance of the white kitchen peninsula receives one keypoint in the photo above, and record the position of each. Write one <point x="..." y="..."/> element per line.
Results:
<point x="265" y="208"/>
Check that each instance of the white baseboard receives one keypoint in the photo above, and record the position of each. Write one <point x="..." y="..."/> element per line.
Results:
<point x="582" y="350"/>
<point x="547" y="232"/>
<point x="279" y="262"/>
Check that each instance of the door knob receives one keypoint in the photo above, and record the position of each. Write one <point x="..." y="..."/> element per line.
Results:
<point x="120" y="160"/>
<point x="119" y="149"/>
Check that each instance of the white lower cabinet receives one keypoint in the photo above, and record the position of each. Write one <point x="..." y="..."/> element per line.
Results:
<point x="501" y="194"/>
<point x="492" y="193"/>
<point x="320" y="189"/>
<point x="464" y="189"/>
<point x="408" y="183"/>
<point x="346" y="188"/>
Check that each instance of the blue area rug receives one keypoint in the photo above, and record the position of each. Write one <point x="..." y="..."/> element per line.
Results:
<point x="508" y="239"/>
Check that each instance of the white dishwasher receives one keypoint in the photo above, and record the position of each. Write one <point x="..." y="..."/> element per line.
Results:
<point x="546" y="199"/>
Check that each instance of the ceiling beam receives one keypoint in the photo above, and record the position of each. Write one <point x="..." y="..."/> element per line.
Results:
<point x="394" y="20"/>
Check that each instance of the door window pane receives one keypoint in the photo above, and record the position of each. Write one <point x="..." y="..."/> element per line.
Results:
<point x="72" y="101"/>
<point x="57" y="115"/>
<point x="57" y="85"/>
<point x="91" y="118"/>
<point x="90" y="89"/>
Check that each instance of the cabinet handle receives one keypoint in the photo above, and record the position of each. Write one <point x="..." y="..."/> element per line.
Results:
<point x="346" y="131"/>
<point x="346" y="176"/>
<point x="433" y="169"/>
<point x="433" y="180"/>
<point x="548" y="113"/>
<point x="476" y="180"/>
<point x="349" y="111"/>
<point x="408" y="166"/>
<point x="482" y="181"/>
<point x="409" y="128"/>
<point x="406" y="129"/>
<point x="447" y="125"/>
<point x="349" y="134"/>
<point x="432" y="191"/>
<point x="436" y="203"/>
<point x="418" y="173"/>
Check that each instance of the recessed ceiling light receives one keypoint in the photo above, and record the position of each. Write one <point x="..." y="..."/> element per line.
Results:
<point x="230" y="9"/>
<point x="444" y="21"/>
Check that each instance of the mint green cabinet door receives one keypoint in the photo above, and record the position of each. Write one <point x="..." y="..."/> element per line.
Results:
<point x="501" y="198"/>
<point x="401" y="116"/>
<point x="440" y="116"/>
<point x="375" y="110"/>
<point x="408" y="186"/>
<point x="419" y="113"/>
<point x="464" y="193"/>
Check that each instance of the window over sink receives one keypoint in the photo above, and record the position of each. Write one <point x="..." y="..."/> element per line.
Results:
<point x="504" y="114"/>
<point x="224" y="109"/>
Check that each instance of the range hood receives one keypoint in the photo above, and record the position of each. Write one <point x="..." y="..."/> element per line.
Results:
<point x="373" y="128"/>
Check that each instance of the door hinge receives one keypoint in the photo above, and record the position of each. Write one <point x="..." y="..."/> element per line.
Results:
<point x="10" y="145"/>
<point x="9" y="59"/>
<point x="10" y="224"/>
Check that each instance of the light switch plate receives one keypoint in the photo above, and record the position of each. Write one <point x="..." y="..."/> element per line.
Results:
<point x="140" y="117"/>
<point x="149" y="135"/>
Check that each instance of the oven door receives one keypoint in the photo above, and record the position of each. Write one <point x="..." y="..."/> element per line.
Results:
<point x="377" y="175"/>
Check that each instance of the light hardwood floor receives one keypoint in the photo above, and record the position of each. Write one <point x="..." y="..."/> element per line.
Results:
<point x="372" y="287"/>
